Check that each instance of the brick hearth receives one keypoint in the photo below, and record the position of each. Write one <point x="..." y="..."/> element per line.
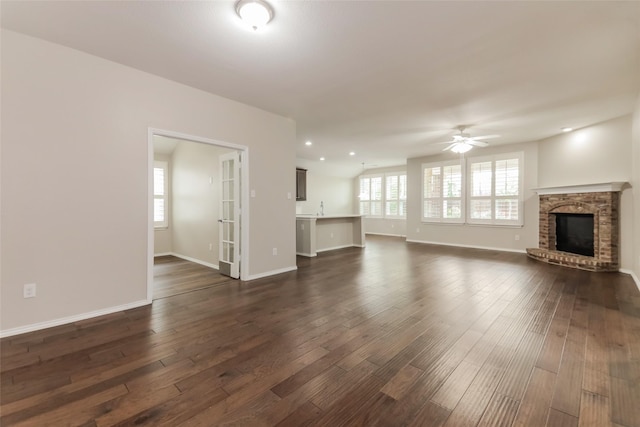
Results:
<point x="600" y="200"/>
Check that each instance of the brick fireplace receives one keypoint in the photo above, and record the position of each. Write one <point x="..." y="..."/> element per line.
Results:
<point x="565" y="211"/>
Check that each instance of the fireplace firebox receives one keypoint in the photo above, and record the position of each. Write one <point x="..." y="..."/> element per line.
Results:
<point x="574" y="233"/>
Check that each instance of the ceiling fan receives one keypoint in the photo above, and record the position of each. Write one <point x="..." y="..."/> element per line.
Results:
<point x="464" y="142"/>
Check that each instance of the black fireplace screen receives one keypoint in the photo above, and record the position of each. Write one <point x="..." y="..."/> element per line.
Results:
<point x="574" y="233"/>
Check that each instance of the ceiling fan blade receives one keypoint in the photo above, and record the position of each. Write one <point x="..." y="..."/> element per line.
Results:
<point x="475" y="138"/>
<point x="444" y="142"/>
<point x="450" y="146"/>
<point x="478" y="143"/>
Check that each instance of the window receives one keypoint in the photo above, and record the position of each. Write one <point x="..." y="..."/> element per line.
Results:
<point x="490" y="189"/>
<point x="442" y="192"/>
<point x="481" y="184"/>
<point x="160" y="194"/>
<point x="371" y="196"/>
<point x="395" y="195"/>
<point x="383" y="196"/>
<point x="495" y="189"/>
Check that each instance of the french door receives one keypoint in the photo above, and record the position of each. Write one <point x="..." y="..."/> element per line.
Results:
<point x="229" y="222"/>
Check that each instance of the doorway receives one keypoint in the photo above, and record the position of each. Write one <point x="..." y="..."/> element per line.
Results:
<point x="188" y="230"/>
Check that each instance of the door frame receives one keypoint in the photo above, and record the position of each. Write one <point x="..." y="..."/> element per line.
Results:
<point x="244" y="198"/>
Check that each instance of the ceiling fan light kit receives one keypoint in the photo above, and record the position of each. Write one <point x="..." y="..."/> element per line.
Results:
<point x="463" y="142"/>
<point x="461" y="147"/>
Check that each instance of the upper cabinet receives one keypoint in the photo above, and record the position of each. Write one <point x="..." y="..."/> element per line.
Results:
<point x="301" y="184"/>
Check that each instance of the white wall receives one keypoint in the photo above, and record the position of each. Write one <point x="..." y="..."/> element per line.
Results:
<point x="74" y="177"/>
<point x="385" y="226"/>
<point x="595" y="154"/>
<point x="336" y="193"/>
<point x="476" y="235"/>
<point x="195" y="189"/>
<point x="162" y="239"/>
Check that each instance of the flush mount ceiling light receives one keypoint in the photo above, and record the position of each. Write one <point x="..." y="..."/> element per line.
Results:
<point x="308" y="143"/>
<point x="567" y="129"/>
<point x="254" y="13"/>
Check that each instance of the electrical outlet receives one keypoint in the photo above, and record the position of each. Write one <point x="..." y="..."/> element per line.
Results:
<point x="210" y="246"/>
<point x="417" y="230"/>
<point x="332" y="235"/>
<point x="517" y="237"/>
<point x="289" y="196"/>
<point x="29" y="290"/>
<point x="275" y="251"/>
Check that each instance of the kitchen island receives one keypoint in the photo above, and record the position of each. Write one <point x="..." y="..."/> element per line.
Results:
<point x="319" y="233"/>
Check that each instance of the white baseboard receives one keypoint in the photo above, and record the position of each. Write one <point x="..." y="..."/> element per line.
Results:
<point x="188" y="258"/>
<point x="163" y="254"/>
<point x="270" y="273"/>
<point x="337" y="247"/>
<point x="309" y="255"/>
<point x="633" y="276"/>
<point x="386" y="234"/>
<point x="489" y="248"/>
<point x="70" y="319"/>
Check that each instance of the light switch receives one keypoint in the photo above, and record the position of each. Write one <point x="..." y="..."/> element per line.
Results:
<point x="253" y="193"/>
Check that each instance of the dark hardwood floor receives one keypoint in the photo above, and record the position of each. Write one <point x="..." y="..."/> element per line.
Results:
<point x="393" y="334"/>
<point x="173" y="276"/>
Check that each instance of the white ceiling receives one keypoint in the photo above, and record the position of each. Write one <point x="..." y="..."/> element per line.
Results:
<point x="164" y="145"/>
<point x="386" y="79"/>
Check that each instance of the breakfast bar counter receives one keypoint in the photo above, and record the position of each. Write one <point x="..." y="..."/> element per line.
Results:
<point x="319" y="233"/>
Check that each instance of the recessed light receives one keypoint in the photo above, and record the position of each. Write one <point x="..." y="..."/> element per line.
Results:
<point x="352" y="153"/>
<point x="567" y="129"/>
<point x="322" y="159"/>
<point x="308" y="143"/>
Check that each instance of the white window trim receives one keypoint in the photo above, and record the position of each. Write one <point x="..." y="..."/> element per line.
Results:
<point x="165" y="166"/>
<point x="384" y="196"/>
<point x="462" y="197"/>
<point x="493" y="158"/>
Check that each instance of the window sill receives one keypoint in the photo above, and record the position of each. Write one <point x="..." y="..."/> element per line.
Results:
<point x="473" y="225"/>
<point x="495" y="225"/>
<point x="396" y="218"/>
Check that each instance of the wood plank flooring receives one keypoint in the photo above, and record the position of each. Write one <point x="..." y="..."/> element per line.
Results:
<point x="395" y="334"/>
<point x="173" y="276"/>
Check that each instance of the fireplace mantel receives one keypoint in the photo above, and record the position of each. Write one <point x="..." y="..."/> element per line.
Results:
<point x="587" y="188"/>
